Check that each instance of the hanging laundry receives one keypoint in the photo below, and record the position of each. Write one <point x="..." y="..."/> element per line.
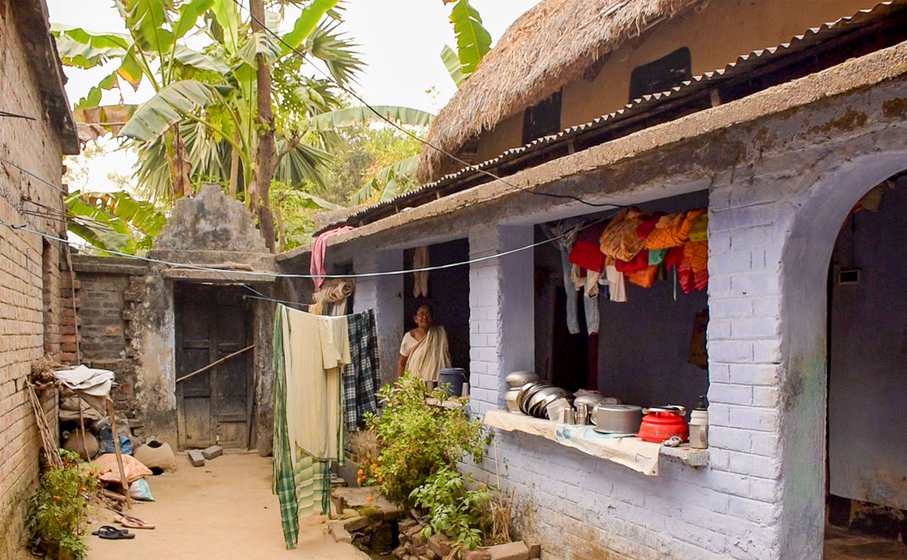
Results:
<point x="673" y="230"/>
<point x="699" y="231"/>
<point x="617" y="286"/>
<point x="420" y="279"/>
<point x="693" y="271"/>
<point x="619" y="239"/>
<point x="316" y="267"/>
<point x="564" y="234"/>
<point x="586" y="252"/>
<point x="360" y="378"/>
<point x="308" y="353"/>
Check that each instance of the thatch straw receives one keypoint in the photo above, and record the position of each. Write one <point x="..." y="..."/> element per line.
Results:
<point x="550" y="45"/>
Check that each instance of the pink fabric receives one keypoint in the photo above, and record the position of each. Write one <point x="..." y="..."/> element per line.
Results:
<point x="316" y="267"/>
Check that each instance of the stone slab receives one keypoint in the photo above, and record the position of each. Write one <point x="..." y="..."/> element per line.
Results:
<point x="213" y="451"/>
<point x="510" y="551"/>
<point x="196" y="458"/>
<point x="339" y="532"/>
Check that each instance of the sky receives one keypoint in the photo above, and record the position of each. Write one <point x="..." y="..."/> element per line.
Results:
<point x="399" y="40"/>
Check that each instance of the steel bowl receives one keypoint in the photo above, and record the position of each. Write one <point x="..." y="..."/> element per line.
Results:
<point x="524" y="392"/>
<point x="617" y="418"/>
<point x="519" y="378"/>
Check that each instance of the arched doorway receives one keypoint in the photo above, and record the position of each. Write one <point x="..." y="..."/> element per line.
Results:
<point x="815" y="220"/>
<point x="867" y="375"/>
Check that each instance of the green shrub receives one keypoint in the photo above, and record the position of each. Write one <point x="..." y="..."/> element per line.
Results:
<point x="59" y="510"/>
<point x="418" y="440"/>
<point x="453" y="509"/>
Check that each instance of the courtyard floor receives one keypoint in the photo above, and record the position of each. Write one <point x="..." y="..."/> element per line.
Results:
<point x="224" y="510"/>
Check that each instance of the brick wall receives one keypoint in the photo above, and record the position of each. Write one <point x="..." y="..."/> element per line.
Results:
<point x="105" y="293"/>
<point x="27" y="274"/>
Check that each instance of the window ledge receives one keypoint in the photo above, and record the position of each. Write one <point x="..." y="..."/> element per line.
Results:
<point x="630" y="452"/>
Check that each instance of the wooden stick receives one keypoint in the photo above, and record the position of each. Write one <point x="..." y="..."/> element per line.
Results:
<point x="48" y="442"/>
<point x="113" y="496"/>
<point x="214" y="363"/>
<point x="116" y="446"/>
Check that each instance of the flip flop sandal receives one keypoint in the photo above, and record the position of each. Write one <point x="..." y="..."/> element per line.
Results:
<point x="112" y="533"/>
<point x="133" y="522"/>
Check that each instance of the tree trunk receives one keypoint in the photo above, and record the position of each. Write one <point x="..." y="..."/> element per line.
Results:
<point x="234" y="167"/>
<point x="177" y="163"/>
<point x="264" y="157"/>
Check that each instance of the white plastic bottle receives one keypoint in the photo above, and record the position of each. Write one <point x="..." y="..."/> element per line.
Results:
<point x="699" y="425"/>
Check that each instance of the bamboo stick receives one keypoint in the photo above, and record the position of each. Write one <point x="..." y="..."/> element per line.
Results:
<point x="214" y="363"/>
<point x="116" y="446"/>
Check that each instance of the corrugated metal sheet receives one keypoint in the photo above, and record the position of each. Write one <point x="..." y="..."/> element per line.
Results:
<point x="698" y="84"/>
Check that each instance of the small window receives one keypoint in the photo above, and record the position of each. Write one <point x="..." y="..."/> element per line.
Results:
<point x="661" y="75"/>
<point x="542" y="119"/>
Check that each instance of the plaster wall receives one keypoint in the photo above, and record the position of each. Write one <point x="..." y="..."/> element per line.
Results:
<point x="27" y="273"/>
<point x="716" y="36"/>
<point x="384" y="294"/>
<point x="867" y="351"/>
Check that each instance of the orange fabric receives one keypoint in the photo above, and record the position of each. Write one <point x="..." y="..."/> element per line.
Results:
<point x="673" y="230"/>
<point x="699" y="231"/>
<point x="697" y="254"/>
<point x="693" y="271"/>
<point x="644" y="278"/>
<point x="619" y="240"/>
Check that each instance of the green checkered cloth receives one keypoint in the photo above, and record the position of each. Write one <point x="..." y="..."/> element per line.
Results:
<point x="300" y="479"/>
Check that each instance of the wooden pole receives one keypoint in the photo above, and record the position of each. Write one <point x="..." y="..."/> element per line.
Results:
<point x="264" y="157"/>
<point x="111" y="413"/>
<point x="214" y="363"/>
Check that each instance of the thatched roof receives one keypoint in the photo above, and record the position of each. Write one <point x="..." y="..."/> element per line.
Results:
<point x="550" y="45"/>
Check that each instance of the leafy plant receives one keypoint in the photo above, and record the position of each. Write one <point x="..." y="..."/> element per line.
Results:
<point x="113" y="221"/>
<point x="418" y="439"/>
<point x="454" y="509"/>
<point x="58" y="515"/>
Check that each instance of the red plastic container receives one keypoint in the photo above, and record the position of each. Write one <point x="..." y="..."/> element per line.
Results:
<point x="660" y="424"/>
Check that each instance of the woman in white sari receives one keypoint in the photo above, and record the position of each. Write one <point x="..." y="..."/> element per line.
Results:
<point x="424" y="351"/>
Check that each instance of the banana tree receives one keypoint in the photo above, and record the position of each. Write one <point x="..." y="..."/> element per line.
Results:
<point x="113" y="221"/>
<point x="473" y="41"/>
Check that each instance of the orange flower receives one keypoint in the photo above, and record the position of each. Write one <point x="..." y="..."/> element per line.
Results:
<point x="368" y="499"/>
<point x="360" y="472"/>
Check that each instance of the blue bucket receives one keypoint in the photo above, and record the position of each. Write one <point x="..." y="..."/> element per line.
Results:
<point x="452" y="380"/>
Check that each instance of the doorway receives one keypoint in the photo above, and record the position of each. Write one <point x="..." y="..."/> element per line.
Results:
<point x="867" y="468"/>
<point x="214" y="406"/>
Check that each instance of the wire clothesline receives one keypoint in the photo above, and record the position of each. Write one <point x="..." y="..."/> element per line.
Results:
<point x="193" y="266"/>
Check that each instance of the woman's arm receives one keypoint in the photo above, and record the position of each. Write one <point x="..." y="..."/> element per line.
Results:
<point x="401" y="366"/>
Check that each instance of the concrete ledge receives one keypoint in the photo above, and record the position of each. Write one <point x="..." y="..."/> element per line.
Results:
<point x="628" y="451"/>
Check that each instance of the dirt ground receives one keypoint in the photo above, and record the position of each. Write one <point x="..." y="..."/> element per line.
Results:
<point x="224" y="510"/>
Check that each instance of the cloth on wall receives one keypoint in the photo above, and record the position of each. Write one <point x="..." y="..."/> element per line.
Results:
<point x="420" y="278"/>
<point x="360" y="378"/>
<point x="316" y="266"/>
<point x="309" y="351"/>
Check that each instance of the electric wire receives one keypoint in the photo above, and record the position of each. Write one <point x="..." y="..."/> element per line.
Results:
<point x="33" y="175"/>
<point x="192" y="266"/>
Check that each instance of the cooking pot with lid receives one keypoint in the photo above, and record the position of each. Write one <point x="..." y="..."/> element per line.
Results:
<point x="616" y="418"/>
<point x="663" y="422"/>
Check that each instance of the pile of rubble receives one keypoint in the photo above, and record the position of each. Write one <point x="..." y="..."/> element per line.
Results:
<point x="414" y="546"/>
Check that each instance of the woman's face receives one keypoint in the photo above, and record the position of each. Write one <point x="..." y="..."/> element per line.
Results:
<point x="423" y="317"/>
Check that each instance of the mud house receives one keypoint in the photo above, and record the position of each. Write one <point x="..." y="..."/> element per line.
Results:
<point x="786" y="121"/>
<point x="36" y="129"/>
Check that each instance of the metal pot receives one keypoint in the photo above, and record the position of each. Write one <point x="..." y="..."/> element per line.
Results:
<point x="517" y="379"/>
<point x="510" y="399"/>
<point x="617" y="418"/>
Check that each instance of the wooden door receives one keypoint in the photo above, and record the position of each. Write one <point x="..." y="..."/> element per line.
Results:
<point x="214" y="407"/>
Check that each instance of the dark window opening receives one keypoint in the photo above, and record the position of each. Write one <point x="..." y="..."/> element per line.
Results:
<point x="661" y="75"/>
<point x="542" y="119"/>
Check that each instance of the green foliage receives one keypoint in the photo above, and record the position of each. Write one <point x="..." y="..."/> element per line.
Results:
<point x="418" y="439"/>
<point x="369" y="164"/>
<point x="113" y="221"/>
<point x="453" y="508"/>
<point x="452" y="63"/>
<point x="473" y="40"/>
<point x="58" y="514"/>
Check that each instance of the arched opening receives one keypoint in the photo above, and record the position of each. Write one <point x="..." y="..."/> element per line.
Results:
<point x="815" y="223"/>
<point x="867" y="350"/>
